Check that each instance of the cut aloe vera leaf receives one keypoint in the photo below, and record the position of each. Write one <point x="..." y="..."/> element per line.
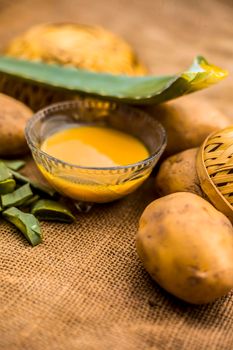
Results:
<point x="41" y="189"/>
<point x="7" y="186"/>
<point x="7" y="183"/>
<point x="26" y="223"/>
<point x="14" y="164"/>
<point x="31" y="201"/>
<point x="18" y="197"/>
<point x="133" y="90"/>
<point x="46" y="209"/>
<point x="5" y="173"/>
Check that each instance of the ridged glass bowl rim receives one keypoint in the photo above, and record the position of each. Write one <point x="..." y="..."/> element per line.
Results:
<point x="76" y="104"/>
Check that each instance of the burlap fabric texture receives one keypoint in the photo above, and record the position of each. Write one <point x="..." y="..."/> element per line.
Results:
<point x="84" y="288"/>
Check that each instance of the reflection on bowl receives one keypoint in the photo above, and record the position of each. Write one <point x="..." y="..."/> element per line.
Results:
<point x="94" y="184"/>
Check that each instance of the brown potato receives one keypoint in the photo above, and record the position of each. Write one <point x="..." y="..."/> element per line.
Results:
<point x="186" y="245"/>
<point x="188" y="121"/>
<point x="178" y="174"/>
<point x="13" y="118"/>
<point x="82" y="46"/>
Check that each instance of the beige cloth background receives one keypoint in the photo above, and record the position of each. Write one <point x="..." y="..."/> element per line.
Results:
<point x="84" y="288"/>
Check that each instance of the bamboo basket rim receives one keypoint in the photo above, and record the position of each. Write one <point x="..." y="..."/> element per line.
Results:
<point x="208" y="186"/>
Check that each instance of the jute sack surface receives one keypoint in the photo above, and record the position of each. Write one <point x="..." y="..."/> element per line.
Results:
<point x="84" y="288"/>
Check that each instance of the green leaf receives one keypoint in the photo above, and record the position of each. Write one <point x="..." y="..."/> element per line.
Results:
<point x="5" y="173"/>
<point x="30" y="201"/>
<point x="140" y="90"/>
<point x="46" y="209"/>
<point x="41" y="189"/>
<point x="18" y="197"/>
<point x="7" y="186"/>
<point x="14" y="164"/>
<point x="7" y="183"/>
<point x="26" y="223"/>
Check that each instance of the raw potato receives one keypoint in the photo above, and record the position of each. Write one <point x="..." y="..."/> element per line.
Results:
<point x="13" y="118"/>
<point x="186" y="245"/>
<point x="82" y="46"/>
<point x="188" y="121"/>
<point x="178" y="174"/>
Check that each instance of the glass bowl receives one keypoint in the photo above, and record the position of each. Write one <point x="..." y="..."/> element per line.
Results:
<point x="92" y="184"/>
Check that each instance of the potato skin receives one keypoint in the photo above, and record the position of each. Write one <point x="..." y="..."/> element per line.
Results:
<point x="13" y="118"/>
<point x="82" y="46"/>
<point x="178" y="174"/>
<point x="186" y="245"/>
<point x="188" y="121"/>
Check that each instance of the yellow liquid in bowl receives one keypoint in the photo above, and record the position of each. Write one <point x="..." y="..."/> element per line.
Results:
<point x="93" y="146"/>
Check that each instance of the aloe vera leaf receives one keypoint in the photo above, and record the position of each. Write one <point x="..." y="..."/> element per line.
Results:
<point x="26" y="223"/>
<point x="134" y="90"/>
<point x="45" y="190"/>
<point x="7" y="186"/>
<point x="7" y="183"/>
<point x="14" y="164"/>
<point x="31" y="201"/>
<point x="5" y="173"/>
<point x="46" y="209"/>
<point x="18" y="197"/>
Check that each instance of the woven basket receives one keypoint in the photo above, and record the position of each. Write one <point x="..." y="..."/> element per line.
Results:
<point x="215" y="169"/>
